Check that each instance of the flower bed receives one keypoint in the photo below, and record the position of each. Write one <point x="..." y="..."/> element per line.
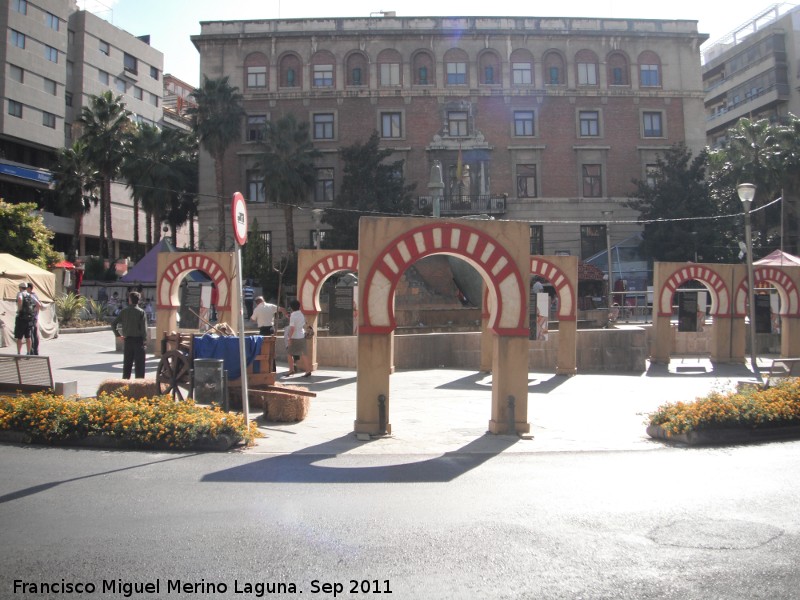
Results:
<point x="157" y="422"/>
<point x="775" y="410"/>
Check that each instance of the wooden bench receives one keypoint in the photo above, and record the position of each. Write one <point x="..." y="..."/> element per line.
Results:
<point x="22" y="373"/>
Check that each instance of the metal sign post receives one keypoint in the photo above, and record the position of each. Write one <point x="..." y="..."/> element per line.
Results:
<point x="239" y="214"/>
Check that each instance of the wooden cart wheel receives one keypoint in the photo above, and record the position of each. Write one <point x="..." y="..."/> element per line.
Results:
<point x="174" y="375"/>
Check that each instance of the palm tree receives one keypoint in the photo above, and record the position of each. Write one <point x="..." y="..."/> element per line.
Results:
<point x="76" y="185"/>
<point x="105" y="121"/>
<point x="216" y="121"/>
<point x="287" y="166"/>
<point x="180" y="153"/>
<point x="144" y="169"/>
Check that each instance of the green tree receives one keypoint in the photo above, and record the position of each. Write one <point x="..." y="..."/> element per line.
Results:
<point x="287" y="167"/>
<point x="677" y="198"/>
<point x="76" y="187"/>
<point x="369" y="186"/>
<point x="105" y="122"/>
<point x="257" y="262"/>
<point x="145" y="172"/>
<point x="216" y="121"/>
<point x="751" y="155"/>
<point x="181" y="155"/>
<point x="25" y="234"/>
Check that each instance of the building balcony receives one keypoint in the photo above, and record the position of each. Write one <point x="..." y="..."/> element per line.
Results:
<point x="493" y="205"/>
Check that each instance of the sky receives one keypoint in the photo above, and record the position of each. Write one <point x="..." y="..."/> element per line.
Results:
<point x="170" y="23"/>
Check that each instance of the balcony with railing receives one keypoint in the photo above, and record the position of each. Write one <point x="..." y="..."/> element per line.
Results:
<point x="493" y="205"/>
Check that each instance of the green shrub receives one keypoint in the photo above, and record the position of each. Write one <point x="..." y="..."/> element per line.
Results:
<point x="69" y="307"/>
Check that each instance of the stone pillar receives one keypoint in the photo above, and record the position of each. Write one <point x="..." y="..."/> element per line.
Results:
<point x="567" y="361"/>
<point x="721" y="340"/>
<point x="374" y="367"/>
<point x="790" y="336"/>
<point x="662" y="342"/>
<point x="510" y="378"/>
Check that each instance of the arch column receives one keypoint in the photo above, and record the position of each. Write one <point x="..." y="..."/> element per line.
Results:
<point x="510" y="357"/>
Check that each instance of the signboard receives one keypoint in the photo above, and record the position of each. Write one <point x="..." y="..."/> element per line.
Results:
<point x="239" y="214"/>
<point x="687" y="311"/>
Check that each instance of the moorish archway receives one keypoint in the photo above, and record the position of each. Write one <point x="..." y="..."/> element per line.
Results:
<point x="172" y="267"/>
<point x="498" y="250"/>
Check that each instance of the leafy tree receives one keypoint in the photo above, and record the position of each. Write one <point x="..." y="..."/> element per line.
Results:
<point x="257" y="262"/>
<point x="369" y="186"/>
<point x="76" y="186"/>
<point x="180" y="154"/>
<point x="146" y="171"/>
<point x="216" y="121"/>
<point x="287" y="166"/>
<point x="677" y="198"/>
<point x="105" y="122"/>
<point x="751" y="155"/>
<point x="25" y="234"/>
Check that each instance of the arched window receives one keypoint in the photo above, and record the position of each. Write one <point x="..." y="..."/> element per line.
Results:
<point x="290" y="66"/>
<point x="422" y="68"/>
<point x="586" y="64"/>
<point x="356" y="69"/>
<point x="649" y="69"/>
<point x="490" y="71"/>
<point x="618" y="69"/>
<point x="255" y="66"/>
<point x="554" y="73"/>
<point x="456" y="63"/>
<point x="390" y="68"/>
<point x="521" y="67"/>
<point x="322" y="70"/>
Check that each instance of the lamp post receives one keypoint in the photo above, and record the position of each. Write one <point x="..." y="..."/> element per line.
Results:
<point x="747" y="192"/>
<point x="608" y="214"/>
<point x="436" y="186"/>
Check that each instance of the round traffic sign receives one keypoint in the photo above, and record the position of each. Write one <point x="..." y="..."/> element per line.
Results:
<point x="239" y="213"/>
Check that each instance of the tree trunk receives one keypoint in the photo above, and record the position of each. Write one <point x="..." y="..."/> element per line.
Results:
<point x="148" y="225"/>
<point x="77" y="219"/>
<point x="102" y="245"/>
<point x="218" y="174"/>
<point x="136" y="253"/>
<point x="109" y="229"/>
<point x="288" y="217"/>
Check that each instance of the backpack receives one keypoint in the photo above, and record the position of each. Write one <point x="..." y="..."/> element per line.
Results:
<point x="28" y="309"/>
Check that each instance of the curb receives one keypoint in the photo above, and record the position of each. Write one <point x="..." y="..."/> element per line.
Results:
<point x="735" y="435"/>
<point x="222" y="443"/>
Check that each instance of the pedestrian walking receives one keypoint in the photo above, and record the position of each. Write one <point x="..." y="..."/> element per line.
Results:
<point x="131" y="326"/>
<point x="297" y="339"/>
<point x="35" y="324"/>
<point x="248" y="294"/>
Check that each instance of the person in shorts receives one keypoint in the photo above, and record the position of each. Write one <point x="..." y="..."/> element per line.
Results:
<point x="297" y="339"/>
<point x="23" y="323"/>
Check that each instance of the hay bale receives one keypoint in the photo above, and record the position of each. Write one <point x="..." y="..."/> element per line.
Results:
<point x="131" y="388"/>
<point x="286" y="409"/>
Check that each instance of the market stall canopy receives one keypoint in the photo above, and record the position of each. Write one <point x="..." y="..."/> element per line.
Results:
<point x="779" y="258"/>
<point x="14" y="270"/>
<point x="144" y="271"/>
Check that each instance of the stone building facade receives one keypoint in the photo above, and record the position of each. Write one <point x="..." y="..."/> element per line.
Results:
<point x="545" y="120"/>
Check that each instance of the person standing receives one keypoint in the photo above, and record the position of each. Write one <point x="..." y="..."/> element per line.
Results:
<point x="35" y="324"/>
<point x="248" y="293"/>
<point x="297" y="338"/>
<point x="24" y="318"/>
<point x="132" y="321"/>
<point x="264" y="316"/>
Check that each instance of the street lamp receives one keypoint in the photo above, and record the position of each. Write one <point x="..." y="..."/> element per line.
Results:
<point x="436" y="186"/>
<point x="608" y="214"/>
<point x="747" y="192"/>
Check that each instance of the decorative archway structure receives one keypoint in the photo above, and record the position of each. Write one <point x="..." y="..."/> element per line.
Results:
<point x="727" y="285"/>
<point x="172" y="267"/>
<point x="786" y="280"/>
<point x="314" y="267"/>
<point x="498" y="251"/>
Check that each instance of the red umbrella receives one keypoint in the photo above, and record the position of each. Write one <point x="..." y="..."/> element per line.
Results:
<point x="64" y="264"/>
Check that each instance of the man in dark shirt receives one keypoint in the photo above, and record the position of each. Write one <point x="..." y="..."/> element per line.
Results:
<point x="131" y="326"/>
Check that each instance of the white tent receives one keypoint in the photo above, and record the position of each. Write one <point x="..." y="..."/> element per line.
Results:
<point x="14" y="270"/>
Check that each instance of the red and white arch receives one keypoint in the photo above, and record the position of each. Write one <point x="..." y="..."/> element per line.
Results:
<point x="720" y="295"/>
<point x="311" y="284"/>
<point x="168" y="294"/>
<point x="787" y="290"/>
<point x="564" y="289"/>
<point x="505" y="285"/>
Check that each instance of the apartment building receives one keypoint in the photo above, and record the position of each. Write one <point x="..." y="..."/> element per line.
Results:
<point x="753" y="71"/>
<point x="547" y="120"/>
<point x="55" y="57"/>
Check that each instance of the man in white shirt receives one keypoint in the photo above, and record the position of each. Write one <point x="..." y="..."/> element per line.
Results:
<point x="264" y="316"/>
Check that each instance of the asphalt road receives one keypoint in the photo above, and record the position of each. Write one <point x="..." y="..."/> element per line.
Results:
<point x="712" y="523"/>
